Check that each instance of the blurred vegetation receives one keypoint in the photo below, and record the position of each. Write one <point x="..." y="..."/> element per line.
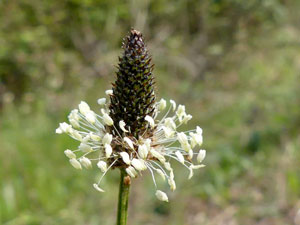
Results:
<point x="235" y="64"/>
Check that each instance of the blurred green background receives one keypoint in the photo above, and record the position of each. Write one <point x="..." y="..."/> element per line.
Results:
<point x="236" y="66"/>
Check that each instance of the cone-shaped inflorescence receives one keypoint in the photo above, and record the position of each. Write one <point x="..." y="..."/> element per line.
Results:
<point x="133" y="95"/>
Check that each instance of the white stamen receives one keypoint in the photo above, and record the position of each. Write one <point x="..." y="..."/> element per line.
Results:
<point x="143" y="151"/>
<point x="161" y="173"/>
<point x="64" y="128"/>
<point x="182" y="138"/>
<point x="180" y="157"/>
<point x="180" y="111"/>
<point x="191" y="154"/>
<point x="162" y="104"/>
<point x="186" y="118"/>
<point x="107" y="139"/>
<point x="191" y="174"/>
<point x="125" y="158"/>
<point x="129" y="142"/>
<point x="168" y="167"/>
<point x="107" y="119"/>
<point x="139" y="164"/>
<point x="168" y="132"/>
<point x="98" y="188"/>
<point x="148" y="144"/>
<point x="157" y="155"/>
<point x="108" y="150"/>
<point x="131" y="171"/>
<point x="90" y="117"/>
<point x="83" y="107"/>
<point x="70" y="154"/>
<point x="173" y="104"/>
<point x="150" y="120"/>
<point x="195" y="167"/>
<point x="86" y="138"/>
<point x="85" y="148"/>
<point x="75" y="164"/>
<point x="169" y="122"/>
<point x="172" y="184"/>
<point x="95" y="137"/>
<point x="74" y="123"/>
<point x="101" y="101"/>
<point x="102" y="166"/>
<point x="75" y="134"/>
<point x="109" y="92"/>
<point x="201" y="155"/>
<point x="122" y="126"/>
<point x="199" y="130"/>
<point x="85" y="162"/>
<point x="162" y="196"/>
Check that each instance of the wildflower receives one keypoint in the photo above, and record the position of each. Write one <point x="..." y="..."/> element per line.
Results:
<point x="134" y="132"/>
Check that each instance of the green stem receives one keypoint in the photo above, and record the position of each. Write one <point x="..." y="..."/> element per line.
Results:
<point x="123" y="198"/>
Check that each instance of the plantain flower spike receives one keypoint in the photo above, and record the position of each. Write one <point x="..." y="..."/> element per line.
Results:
<point x="134" y="132"/>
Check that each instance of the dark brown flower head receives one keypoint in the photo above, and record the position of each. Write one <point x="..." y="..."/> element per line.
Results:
<point x="133" y="95"/>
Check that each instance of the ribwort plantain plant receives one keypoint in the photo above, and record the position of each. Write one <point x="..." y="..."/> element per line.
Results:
<point x="128" y="134"/>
